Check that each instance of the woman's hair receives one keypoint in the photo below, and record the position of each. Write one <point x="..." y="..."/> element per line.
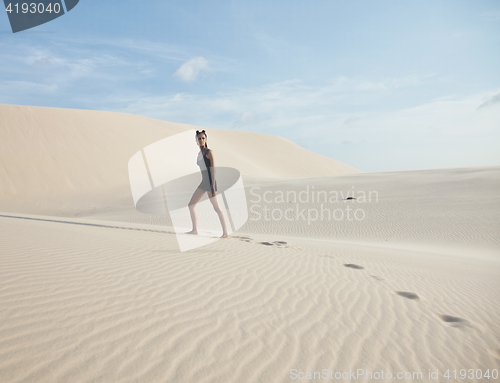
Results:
<point x="199" y="132"/>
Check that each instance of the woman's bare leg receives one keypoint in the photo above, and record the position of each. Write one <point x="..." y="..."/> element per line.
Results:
<point x="198" y="193"/>
<point x="215" y="204"/>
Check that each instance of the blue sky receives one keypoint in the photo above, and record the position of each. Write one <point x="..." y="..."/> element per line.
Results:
<point x="378" y="85"/>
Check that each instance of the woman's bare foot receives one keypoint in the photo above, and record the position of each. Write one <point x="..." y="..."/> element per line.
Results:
<point x="226" y="235"/>
<point x="192" y="232"/>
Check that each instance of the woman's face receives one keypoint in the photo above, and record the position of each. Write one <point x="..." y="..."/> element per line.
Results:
<point x="201" y="139"/>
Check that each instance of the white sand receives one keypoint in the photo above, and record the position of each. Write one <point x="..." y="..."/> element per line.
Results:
<point x="93" y="291"/>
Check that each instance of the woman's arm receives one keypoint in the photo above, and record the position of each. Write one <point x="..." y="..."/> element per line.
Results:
<point x="210" y="156"/>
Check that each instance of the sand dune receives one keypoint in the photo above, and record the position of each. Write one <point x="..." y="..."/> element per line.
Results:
<point x="92" y="290"/>
<point x="102" y="302"/>
<point x="77" y="159"/>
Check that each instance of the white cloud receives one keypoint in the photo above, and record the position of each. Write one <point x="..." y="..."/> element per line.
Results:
<point x="28" y="86"/>
<point x="495" y="99"/>
<point x="190" y="70"/>
<point x="346" y="120"/>
<point x="28" y="71"/>
<point x="283" y="105"/>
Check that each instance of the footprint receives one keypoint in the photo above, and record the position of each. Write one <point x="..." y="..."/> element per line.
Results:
<point x="275" y="243"/>
<point x="281" y="244"/>
<point x="266" y="243"/>
<point x="455" y="321"/>
<point x="408" y="295"/>
<point x="462" y="323"/>
<point x="452" y="319"/>
<point x="377" y="278"/>
<point x="353" y="266"/>
<point x="242" y="238"/>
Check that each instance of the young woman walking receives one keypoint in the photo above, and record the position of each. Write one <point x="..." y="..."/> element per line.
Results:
<point x="208" y="184"/>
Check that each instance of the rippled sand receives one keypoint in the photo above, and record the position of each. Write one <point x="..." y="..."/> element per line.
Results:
<point x="93" y="291"/>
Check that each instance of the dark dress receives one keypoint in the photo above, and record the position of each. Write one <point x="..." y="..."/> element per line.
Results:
<point x="206" y="172"/>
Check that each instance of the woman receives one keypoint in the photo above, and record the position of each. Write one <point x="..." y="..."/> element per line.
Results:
<point x="207" y="185"/>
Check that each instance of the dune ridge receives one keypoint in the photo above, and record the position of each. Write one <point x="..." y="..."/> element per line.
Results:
<point x="52" y="156"/>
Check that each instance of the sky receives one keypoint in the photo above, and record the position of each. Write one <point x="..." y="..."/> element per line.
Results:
<point x="378" y="85"/>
